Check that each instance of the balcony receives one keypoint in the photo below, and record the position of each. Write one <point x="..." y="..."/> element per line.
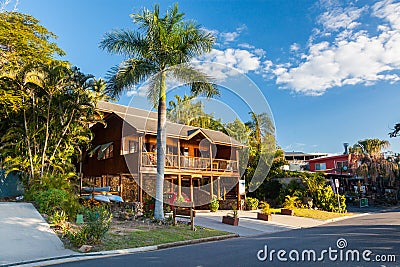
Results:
<point x="149" y="159"/>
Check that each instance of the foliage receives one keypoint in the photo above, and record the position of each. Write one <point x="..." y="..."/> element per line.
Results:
<point x="214" y="204"/>
<point x="327" y="200"/>
<point x="23" y="40"/>
<point x="97" y="223"/>
<point x="395" y="131"/>
<point x="271" y="189"/>
<point x="252" y="202"/>
<point x="46" y="105"/>
<point x="265" y="208"/>
<point x="372" y="147"/>
<point x="49" y="131"/>
<point x="54" y="194"/>
<point x="234" y="213"/>
<point x="58" y="217"/>
<point x="162" y="45"/>
<point x="186" y="111"/>
<point x="291" y="202"/>
<point x="50" y="201"/>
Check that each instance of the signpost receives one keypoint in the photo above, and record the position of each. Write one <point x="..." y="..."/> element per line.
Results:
<point x="337" y="191"/>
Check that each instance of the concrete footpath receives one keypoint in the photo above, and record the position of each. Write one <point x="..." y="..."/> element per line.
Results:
<point x="25" y="235"/>
<point x="249" y="225"/>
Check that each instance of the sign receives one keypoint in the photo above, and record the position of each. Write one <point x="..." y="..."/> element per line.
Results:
<point x="337" y="183"/>
<point x="363" y="202"/>
<point x="242" y="187"/>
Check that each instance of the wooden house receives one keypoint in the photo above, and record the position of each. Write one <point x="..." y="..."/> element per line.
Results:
<point x="200" y="163"/>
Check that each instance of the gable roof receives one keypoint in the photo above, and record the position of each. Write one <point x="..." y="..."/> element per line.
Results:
<point x="145" y="121"/>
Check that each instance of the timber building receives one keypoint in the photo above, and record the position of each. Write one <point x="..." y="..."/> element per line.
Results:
<point x="200" y="163"/>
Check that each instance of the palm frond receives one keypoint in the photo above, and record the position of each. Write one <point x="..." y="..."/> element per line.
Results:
<point x="199" y="82"/>
<point x="127" y="74"/>
<point x="126" y="43"/>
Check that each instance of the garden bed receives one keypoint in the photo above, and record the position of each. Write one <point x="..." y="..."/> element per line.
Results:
<point x="143" y="232"/>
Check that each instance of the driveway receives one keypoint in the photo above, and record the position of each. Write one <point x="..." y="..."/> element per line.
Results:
<point x="25" y="235"/>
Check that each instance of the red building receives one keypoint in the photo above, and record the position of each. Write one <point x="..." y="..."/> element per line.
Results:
<point x="340" y="165"/>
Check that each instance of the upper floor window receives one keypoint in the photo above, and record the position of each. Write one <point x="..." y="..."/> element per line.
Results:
<point x="341" y="164"/>
<point x="129" y="146"/>
<point x="320" y="166"/>
<point x="106" y="152"/>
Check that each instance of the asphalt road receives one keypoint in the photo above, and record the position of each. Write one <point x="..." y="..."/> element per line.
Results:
<point x="370" y="238"/>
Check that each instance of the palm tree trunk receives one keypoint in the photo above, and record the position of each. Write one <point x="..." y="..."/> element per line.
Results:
<point x="46" y="138"/>
<point x="28" y="143"/>
<point x="161" y="148"/>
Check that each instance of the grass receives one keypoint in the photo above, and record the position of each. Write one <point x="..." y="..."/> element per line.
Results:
<point x="319" y="214"/>
<point x="145" y="236"/>
<point x="314" y="214"/>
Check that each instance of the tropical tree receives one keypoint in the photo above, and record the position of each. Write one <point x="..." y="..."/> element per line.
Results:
<point x="24" y="41"/>
<point x="44" y="135"/>
<point x="161" y="46"/>
<point x="186" y="111"/>
<point x="396" y="131"/>
<point x="372" y="147"/>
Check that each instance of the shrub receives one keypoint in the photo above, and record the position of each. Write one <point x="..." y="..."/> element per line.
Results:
<point x="58" y="217"/>
<point x="252" y="202"/>
<point x="291" y="202"/>
<point x="327" y="200"/>
<point x="214" y="204"/>
<point x="51" y="200"/>
<point x="265" y="208"/>
<point x="53" y="193"/>
<point x="97" y="223"/>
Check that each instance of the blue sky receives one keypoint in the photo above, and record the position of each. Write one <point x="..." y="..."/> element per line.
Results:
<point x="330" y="70"/>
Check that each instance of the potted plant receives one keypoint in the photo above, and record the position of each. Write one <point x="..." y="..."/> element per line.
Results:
<point x="265" y="213"/>
<point x="251" y="203"/>
<point x="231" y="218"/>
<point x="214" y="204"/>
<point x="289" y="205"/>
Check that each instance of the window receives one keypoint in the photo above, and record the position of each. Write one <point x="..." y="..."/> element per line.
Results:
<point x="341" y="164"/>
<point x="106" y="153"/>
<point x="320" y="166"/>
<point x="129" y="146"/>
<point x="132" y="146"/>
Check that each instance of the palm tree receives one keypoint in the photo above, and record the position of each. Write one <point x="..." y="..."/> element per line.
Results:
<point x="161" y="45"/>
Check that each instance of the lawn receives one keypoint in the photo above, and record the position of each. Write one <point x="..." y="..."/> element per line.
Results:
<point x="314" y="214"/>
<point x="319" y="214"/>
<point x="122" y="236"/>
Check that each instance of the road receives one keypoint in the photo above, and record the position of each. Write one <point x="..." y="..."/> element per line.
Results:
<point x="372" y="237"/>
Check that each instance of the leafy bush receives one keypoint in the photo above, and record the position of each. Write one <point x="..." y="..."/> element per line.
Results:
<point x="252" y="202"/>
<point x="53" y="193"/>
<point x="327" y="200"/>
<point x="58" y="217"/>
<point x="214" y="204"/>
<point x="265" y="208"/>
<point x="291" y="202"/>
<point x="97" y="223"/>
<point x="51" y="200"/>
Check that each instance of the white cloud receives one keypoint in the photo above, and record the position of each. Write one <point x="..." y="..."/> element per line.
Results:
<point x="242" y="60"/>
<point x="295" y="47"/>
<point x="246" y="46"/>
<point x="228" y="37"/>
<point x="353" y="56"/>
<point x="341" y="18"/>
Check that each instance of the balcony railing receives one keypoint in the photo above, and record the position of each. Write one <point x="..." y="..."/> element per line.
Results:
<point x="149" y="159"/>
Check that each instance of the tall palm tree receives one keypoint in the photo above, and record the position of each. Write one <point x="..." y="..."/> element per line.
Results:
<point x="161" y="45"/>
